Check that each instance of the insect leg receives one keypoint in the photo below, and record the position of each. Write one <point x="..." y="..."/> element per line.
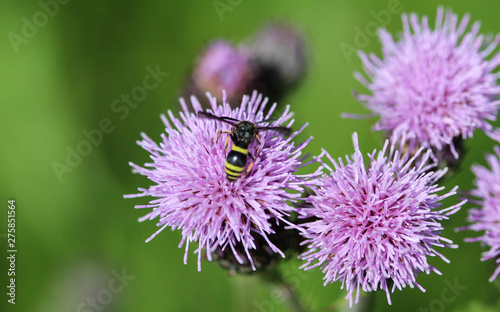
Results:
<point x="227" y="142"/>
<point x="219" y="133"/>
<point x="250" y="166"/>
<point x="258" y="141"/>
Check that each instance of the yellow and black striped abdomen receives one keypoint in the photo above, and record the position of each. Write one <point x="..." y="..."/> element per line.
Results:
<point x="235" y="162"/>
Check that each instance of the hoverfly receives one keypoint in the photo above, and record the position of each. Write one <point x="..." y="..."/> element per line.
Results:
<point x="242" y="134"/>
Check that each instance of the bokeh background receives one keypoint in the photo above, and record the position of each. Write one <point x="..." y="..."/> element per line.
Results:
<point x="75" y="232"/>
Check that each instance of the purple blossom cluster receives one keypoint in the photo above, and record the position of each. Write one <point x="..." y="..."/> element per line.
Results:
<point x="487" y="217"/>
<point x="433" y="86"/>
<point x="273" y="60"/>
<point x="378" y="223"/>
<point x="223" y="67"/>
<point x="192" y="193"/>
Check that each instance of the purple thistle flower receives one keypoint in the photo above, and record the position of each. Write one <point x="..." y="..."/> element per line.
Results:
<point x="279" y="50"/>
<point x="192" y="193"/>
<point x="433" y="85"/>
<point x="378" y="223"/>
<point x="487" y="217"/>
<point x="224" y="67"/>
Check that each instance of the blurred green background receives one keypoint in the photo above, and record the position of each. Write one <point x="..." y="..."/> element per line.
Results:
<point x="74" y="234"/>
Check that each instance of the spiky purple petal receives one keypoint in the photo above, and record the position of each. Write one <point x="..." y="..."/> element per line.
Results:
<point x="487" y="217"/>
<point x="434" y="85"/>
<point x="192" y="193"/>
<point x="376" y="223"/>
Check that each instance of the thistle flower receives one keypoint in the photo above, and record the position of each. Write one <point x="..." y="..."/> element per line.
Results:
<point x="279" y="52"/>
<point x="434" y="85"/>
<point x="224" y="67"/>
<point x="487" y="217"/>
<point x="376" y="224"/>
<point x="192" y="193"/>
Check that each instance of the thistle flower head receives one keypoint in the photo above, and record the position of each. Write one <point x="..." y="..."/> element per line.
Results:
<point x="434" y="85"/>
<point x="224" y="67"/>
<point x="279" y="52"/>
<point x="487" y="217"/>
<point x="377" y="223"/>
<point x="191" y="192"/>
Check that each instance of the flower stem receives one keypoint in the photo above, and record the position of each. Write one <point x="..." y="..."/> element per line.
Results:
<point x="287" y="292"/>
<point x="365" y="304"/>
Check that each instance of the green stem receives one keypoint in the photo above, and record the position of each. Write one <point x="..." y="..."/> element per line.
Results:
<point x="365" y="304"/>
<point x="290" y="295"/>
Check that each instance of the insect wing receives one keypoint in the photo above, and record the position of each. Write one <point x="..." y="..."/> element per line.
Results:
<point x="228" y="120"/>
<point x="283" y="130"/>
<point x="267" y="120"/>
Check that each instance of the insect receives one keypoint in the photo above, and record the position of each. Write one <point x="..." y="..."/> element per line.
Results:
<point x="242" y="134"/>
